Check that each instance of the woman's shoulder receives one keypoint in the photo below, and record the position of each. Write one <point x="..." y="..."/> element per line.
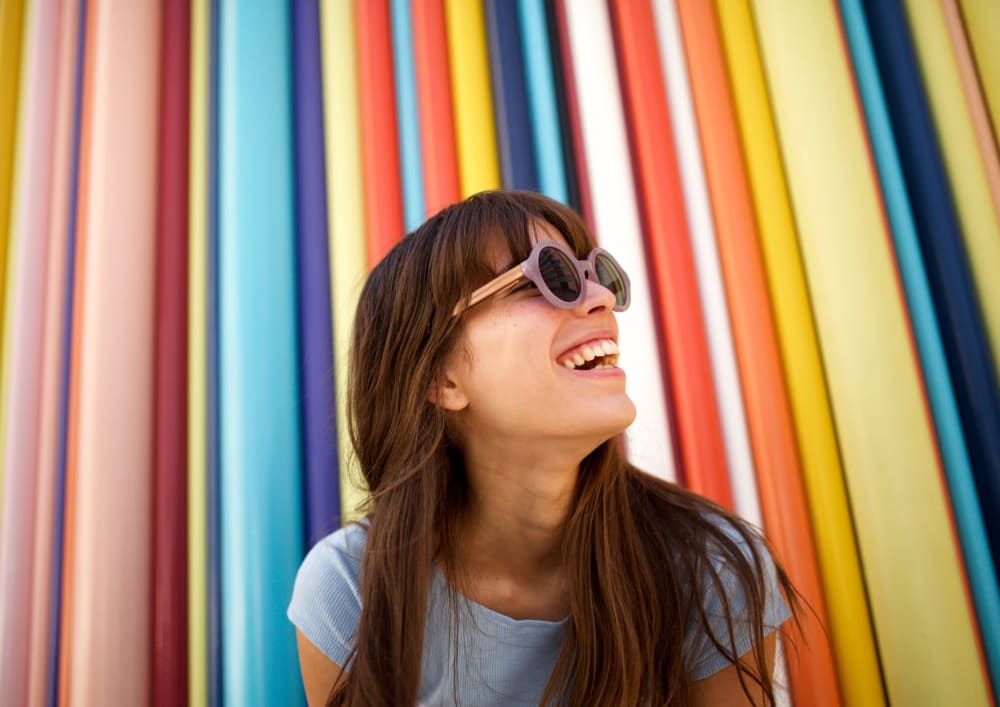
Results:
<point x="738" y="588"/>
<point x="340" y="552"/>
<point x="726" y="565"/>
<point x="709" y="545"/>
<point x="326" y="599"/>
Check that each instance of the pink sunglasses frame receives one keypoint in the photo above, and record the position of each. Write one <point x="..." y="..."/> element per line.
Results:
<point x="529" y="269"/>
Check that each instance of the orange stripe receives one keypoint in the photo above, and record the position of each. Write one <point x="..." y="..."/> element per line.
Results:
<point x="782" y="493"/>
<point x="379" y="140"/>
<point x="437" y="123"/>
<point x="669" y="249"/>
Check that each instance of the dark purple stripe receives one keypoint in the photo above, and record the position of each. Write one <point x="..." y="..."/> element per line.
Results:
<point x="321" y="487"/>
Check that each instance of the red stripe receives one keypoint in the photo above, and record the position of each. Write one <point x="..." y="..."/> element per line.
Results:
<point x="668" y="246"/>
<point x="437" y="123"/>
<point x="379" y="141"/>
<point x="169" y="668"/>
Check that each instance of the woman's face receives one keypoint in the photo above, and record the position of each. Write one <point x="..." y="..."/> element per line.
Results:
<point x="510" y="368"/>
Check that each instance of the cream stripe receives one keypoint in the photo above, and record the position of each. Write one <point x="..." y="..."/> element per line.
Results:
<point x="345" y="197"/>
<point x="922" y="621"/>
<point x="609" y="171"/>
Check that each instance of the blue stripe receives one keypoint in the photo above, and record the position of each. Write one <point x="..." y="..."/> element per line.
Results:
<point x="407" y="116"/>
<point x="958" y="468"/>
<point x="544" y="109"/>
<point x="260" y="470"/>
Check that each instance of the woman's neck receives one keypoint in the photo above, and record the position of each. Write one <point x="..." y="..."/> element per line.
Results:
<point x="513" y="526"/>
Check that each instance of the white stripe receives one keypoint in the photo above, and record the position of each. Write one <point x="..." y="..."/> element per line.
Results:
<point x="713" y="296"/>
<point x="782" y="689"/>
<point x="609" y="174"/>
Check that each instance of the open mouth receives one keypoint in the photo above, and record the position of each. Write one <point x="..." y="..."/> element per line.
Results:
<point x="593" y="355"/>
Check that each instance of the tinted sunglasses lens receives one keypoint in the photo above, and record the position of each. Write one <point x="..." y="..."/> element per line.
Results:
<point x="611" y="277"/>
<point x="559" y="273"/>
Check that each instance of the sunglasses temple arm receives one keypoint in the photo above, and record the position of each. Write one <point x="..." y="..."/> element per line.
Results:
<point x="498" y="284"/>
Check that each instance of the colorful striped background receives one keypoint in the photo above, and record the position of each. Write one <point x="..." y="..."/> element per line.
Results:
<point x="807" y="197"/>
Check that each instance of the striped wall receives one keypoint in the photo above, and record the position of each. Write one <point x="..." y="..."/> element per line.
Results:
<point x="806" y="196"/>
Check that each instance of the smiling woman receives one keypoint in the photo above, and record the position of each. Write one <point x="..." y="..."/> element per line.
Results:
<point x="509" y="554"/>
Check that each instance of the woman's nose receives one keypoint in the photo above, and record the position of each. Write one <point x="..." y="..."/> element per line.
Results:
<point x="596" y="297"/>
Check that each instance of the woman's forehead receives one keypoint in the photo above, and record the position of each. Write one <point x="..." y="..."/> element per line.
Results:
<point x="499" y="252"/>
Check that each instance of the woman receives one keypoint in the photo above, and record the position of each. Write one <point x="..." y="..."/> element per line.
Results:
<point x="510" y="555"/>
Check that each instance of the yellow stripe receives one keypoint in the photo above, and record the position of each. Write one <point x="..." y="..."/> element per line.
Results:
<point x="198" y="189"/>
<point x="983" y="29"/>
<point x="966" y="172"/>
<point x="475" y="138"/>
<point x="8" y="283"/>
<point x="11" y="21"/>
<point x="345" y="199"/>
<point x="850" y="626"/>
<point x="925" y="630"/>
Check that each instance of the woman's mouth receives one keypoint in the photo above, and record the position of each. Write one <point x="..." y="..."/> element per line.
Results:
<point x="591" y="355"/>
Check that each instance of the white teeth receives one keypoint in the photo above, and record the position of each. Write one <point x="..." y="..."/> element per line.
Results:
<point x="602" y="348"/>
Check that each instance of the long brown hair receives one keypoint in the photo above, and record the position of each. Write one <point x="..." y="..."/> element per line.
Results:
<point x="638" y="551"/>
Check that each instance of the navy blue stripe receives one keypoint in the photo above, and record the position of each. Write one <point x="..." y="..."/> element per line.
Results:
<point x="941" y="243"/>
<point x="510" y="97"/>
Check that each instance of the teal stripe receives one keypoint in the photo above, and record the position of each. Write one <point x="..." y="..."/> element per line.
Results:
<point x="542" y="99"/>
<point x="958" y="470"/>
<point x="407" y="115"/>
<point x="260" y="466"/>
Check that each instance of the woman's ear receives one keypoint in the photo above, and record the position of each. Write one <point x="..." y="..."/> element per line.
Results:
<point x="447" y="394"/>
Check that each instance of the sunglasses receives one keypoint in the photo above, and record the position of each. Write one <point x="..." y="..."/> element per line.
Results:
<point x="559" y="276"/>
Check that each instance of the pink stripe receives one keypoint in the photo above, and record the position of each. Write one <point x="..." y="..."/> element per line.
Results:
<point x="26" y="292"/>
<point x="108" y="591"/>
<point x="50" y="403"/>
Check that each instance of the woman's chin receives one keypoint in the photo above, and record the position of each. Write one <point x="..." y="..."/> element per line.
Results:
<point x="616" y="419"/>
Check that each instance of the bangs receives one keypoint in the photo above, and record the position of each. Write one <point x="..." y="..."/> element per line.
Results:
<point x="476" y="234"/>
<point x="511" y="217"/>
<point x="538" y="209"/>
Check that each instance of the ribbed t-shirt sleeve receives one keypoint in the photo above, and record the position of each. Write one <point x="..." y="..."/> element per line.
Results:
<point x="702" y="657"/>
<point x="326" y="599"/>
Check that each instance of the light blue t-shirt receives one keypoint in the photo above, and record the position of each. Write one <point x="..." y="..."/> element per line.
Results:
<point x="500" y="661"/>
